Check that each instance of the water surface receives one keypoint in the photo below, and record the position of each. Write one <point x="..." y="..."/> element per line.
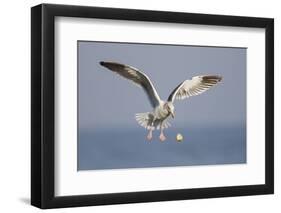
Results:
<point x="116" y="149"/>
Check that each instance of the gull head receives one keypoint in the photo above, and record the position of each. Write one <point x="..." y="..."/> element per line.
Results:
<point x="170" y="108"/>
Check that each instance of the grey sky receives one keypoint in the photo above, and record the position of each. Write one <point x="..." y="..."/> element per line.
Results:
<point x="107" y="100"/>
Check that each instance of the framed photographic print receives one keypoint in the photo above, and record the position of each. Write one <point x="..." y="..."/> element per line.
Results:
<point x="139" y="106"/>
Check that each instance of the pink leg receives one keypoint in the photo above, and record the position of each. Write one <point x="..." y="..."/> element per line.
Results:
<point x="162" y="136"/>
<point x="149" y="136"/>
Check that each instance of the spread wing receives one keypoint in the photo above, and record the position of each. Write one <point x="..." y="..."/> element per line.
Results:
<point x="195" y="86"/>
<point x="136" y="77"/>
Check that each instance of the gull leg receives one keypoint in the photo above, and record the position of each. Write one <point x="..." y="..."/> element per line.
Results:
<point x="162" y="136"/>
<point x="149" y="136"/>
<point x="151" y="128"/>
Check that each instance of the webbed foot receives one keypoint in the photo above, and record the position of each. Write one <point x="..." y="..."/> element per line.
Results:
<point x="149" y="136"/>
<point x="162" y="137"/>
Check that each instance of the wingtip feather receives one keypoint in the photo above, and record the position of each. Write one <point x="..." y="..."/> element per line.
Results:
<point x="212" y="78"/>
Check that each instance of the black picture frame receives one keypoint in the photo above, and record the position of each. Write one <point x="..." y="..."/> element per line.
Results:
<point x="43" y="101"/>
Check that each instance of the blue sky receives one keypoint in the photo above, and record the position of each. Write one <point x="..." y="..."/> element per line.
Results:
<point x="213" y="124"/>
<point x="107" y="100"/>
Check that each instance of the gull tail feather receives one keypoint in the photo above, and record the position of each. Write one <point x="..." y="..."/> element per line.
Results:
<point x="146" y="120"/>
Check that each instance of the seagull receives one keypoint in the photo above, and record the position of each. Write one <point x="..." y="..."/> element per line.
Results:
<point x="162" y="110"/>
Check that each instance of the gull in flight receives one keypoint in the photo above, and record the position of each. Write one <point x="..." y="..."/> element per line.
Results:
<point x="162" y="110"/>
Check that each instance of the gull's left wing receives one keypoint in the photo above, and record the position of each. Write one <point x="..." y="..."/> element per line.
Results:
<point x="195" y="86"/>
<point x="137" y="77"/>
